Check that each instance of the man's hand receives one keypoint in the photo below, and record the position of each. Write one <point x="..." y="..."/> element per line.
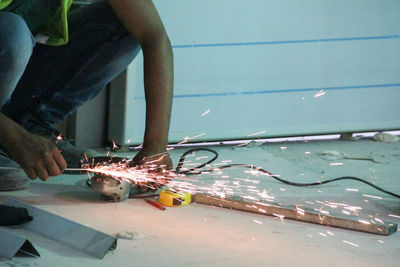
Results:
<point x="152" y="161"/>
<point x="38" y="157"/>
<point x="35" y="154"/>
<point x="157" y="164"/>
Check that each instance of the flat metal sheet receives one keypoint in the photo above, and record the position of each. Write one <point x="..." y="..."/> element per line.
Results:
<point x="65" y="231"/>
<point x="11" y="244"/>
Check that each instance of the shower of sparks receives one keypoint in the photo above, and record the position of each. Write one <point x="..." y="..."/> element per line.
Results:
<point x="206" y="112"/>
<point x="320" y="93"/>
<point x="350" y="243"/>
<point x="253" y="134"/>
<point x="218" y="182"/>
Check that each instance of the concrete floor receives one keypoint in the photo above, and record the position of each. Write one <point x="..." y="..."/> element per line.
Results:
<point x="199" y="235"/>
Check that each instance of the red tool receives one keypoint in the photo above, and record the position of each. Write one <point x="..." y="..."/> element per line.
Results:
<point x="155" y="204"/>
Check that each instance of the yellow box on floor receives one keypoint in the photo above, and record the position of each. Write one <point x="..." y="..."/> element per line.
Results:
<point x="172" y="199"/>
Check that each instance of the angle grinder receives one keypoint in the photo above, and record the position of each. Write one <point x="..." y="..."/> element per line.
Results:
<point x="111" y="188"/>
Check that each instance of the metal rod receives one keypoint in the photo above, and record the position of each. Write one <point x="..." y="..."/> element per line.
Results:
<point x="67" y="169"/>
<point x="79" y="170"/>
<point x="287" y="212"/>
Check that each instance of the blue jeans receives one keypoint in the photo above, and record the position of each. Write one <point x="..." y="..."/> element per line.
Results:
<point x="42" y="84"/>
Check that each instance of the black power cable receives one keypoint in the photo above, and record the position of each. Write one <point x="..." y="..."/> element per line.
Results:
<point x="196" y="171"/>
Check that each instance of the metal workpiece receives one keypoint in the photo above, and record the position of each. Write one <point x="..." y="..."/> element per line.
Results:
<point x="11" y="244"/>
<point x="290" y="212"/>
<point x="65" y="231"/>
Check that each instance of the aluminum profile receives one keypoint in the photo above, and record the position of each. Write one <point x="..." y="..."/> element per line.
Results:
<point x="65" y="231"/>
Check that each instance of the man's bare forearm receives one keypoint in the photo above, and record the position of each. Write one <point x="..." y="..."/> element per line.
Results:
<point x="141" y="19"/>
<point x="158" y="80"/>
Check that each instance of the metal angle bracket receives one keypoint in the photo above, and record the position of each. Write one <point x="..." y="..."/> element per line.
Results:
<point x="65" y="231"/>
<point x="12" y="244"/>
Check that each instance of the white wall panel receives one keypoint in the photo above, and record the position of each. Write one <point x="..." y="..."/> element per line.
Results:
<point x="257" y="65"/>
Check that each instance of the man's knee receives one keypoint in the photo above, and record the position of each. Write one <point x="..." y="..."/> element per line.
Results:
<point x="16" y="40"/>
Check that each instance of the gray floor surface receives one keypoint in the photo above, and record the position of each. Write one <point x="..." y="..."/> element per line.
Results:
<point x="200" y="235"/>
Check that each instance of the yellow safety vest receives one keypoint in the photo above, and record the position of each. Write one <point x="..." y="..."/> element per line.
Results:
<point x="55" y="30"/>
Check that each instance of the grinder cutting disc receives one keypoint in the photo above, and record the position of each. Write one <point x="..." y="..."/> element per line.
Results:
<point x="110" y="188"/>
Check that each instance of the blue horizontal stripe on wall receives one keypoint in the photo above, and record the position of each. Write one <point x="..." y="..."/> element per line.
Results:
<point x="275" y="91"/>
<point x="291" y="90"/>
<point x="363" y="38"/>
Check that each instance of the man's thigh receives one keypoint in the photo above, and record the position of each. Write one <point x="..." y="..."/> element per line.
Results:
<point x="50" y="67"/>
<point x="16" y="44"/>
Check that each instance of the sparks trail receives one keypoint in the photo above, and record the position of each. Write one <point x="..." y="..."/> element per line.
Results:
<point x="178" y="181"/>
<point x="196" y="180"/>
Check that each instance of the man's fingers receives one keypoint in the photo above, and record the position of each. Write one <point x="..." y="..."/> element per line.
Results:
<point x="42" y="173"/>
<point x="62" y="165"/>
<point x="31" y="173"/>
<point x="51" y="166"/>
